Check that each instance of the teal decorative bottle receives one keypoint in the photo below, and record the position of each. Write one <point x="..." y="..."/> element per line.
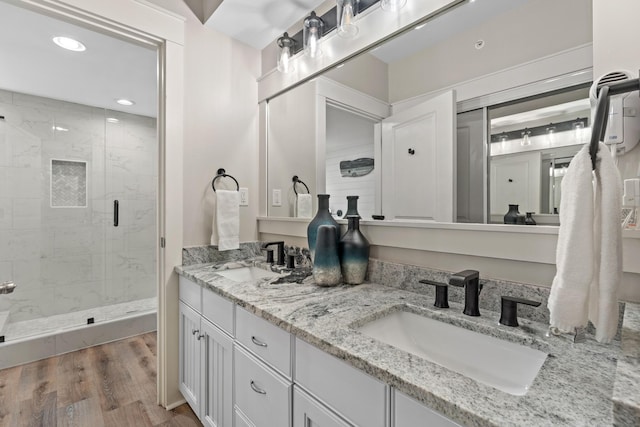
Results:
<point x="323" y="217"/>
<point x="354" y="253"/>
<point x="326" y="264"/>
<point x="352" y="206"/>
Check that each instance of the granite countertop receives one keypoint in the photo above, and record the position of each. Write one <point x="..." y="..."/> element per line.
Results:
<point x="574" y="387"/>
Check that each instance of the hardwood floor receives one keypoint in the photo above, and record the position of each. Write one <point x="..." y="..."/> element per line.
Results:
<point x="108" y="385"/>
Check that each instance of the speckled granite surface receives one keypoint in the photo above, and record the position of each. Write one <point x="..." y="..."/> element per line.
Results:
<point x="574" y="387"/>
<point x="626" y="391"/>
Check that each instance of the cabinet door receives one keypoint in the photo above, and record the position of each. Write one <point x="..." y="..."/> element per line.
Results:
<point x="216" y="403"/>
<point x="309" y="413"/>
<point x="411" y="413"/>
<point x="189" y="355"/>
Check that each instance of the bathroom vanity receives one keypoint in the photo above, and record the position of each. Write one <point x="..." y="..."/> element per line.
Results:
<point x="293" y="355"/>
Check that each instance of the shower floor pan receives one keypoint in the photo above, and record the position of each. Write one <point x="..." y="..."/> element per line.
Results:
<point x="36" y="339"/>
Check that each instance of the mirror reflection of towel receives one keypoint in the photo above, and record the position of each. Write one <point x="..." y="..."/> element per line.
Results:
<point x="304" y="207"/>
<point x="226" y="221"/>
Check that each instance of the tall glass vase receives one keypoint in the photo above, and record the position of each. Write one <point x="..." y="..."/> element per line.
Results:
<point x="323" y="217"/>
<point x="326" y="263"/>
<point x="354" y="253"/>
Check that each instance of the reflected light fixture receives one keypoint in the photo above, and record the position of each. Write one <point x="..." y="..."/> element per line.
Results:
<point x="392" y="5"/>
<point x="551" y="134"/>
<point x="525" y="138"/>
<point x="580" y="133"/>
<point x="69" y="44"/>
<point x="286" y="52"/>
<point x="125" y="102"/>
<point x="346" y="11"/>
<point x="312" y="31"/>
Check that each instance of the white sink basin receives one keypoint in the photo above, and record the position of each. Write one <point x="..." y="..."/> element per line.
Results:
<point x="501" y="364"/>
<point x="246" y="274"/>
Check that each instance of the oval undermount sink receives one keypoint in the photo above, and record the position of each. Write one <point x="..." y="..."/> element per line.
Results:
<point x="246" y="274"/>
<point x="504" y="365"/>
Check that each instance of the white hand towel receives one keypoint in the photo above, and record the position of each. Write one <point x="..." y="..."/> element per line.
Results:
<point x="603" y="298"/>
<point x="304" y="207"/>
<point x="568" y="300"/>
<point x="226" y="221"/>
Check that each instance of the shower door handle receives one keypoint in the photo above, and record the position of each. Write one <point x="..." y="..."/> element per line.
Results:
<point x="116" y="213"/>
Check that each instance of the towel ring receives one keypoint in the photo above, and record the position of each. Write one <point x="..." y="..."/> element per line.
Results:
<point x="296" y="180"/>
<point x="222" y="174"/>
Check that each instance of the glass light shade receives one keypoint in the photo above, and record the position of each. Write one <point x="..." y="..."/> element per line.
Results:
<point x="525" y="139"/>
<point x="286" y="52"/>
<point x="347" y="10"/>
<point x="392" y="5"/>
<point x="312" y="31"/>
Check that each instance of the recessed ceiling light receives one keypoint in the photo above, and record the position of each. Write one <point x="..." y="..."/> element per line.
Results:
<point x="69" y="44"/>
<point x="60" y="129"/>
<point x="112" y="120"/>
<point x="126" y="102"/>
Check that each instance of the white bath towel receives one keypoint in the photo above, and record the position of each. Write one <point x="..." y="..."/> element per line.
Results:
<point x="226" y="220"/>
<point x="304" y="206"/>
<point x="569" y="297"/>
<point x="603" y="296"/>
<point x="589" y="251"/>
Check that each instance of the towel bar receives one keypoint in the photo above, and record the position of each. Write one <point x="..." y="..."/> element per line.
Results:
<point x="296" y="180"/>
<point x="223" y="174"/>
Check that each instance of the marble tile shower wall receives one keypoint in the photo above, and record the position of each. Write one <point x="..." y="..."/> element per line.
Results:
<point x="68" y="259"/>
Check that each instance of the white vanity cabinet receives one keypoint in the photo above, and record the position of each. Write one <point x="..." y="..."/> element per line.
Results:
<point x="206" y="355"/>
<point x="308" y="412"/>
<point x="262" y="372"/>
<point x="357" y="397"/>
<point x="408" y="412"/>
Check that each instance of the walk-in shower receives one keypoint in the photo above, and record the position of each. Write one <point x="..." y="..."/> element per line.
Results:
<point x="78" y="188"/>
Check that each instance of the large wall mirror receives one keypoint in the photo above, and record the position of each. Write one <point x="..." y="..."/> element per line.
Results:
<point x="451" y="121"/>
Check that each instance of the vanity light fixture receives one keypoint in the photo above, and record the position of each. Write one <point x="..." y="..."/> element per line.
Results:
<point x="525" y="138"/>
<point x="392" y="5"/>
<point x="69" y="44"/>
<point x="286" y="44"/>
<point x="125" y="102"/>
<point x="551" y="133"/>
<point x="346" y="12"/>
<point x="313" y="30"/>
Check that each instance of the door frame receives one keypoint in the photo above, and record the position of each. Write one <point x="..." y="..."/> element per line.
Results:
<point x="145" y="23"/>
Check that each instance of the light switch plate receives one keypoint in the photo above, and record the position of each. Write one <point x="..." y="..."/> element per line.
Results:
<point x="244" y="196"/>
<point x="276" y="200"/>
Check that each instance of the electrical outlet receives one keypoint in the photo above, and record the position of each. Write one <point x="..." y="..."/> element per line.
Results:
<point x="276" y="200"/>
<point x="244" y="197"/>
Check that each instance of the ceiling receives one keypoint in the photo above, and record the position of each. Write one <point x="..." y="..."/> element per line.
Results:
<point x="443" y="27"/>
<point x="259" y="22"/>
<point x="109" y="69"/>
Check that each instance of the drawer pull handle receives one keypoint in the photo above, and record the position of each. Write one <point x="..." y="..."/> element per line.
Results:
<point x="194" y="331"/>
<point x="257" y="389"/>
<point x="258" y="342"/>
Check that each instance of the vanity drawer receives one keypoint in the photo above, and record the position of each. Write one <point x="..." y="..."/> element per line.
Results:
<point x="262" y="395"/>
<point x="267" y="341"/>
<point x="190" y="293"/>
<point x="358" y="397"/>
<point x="218" y="310"/>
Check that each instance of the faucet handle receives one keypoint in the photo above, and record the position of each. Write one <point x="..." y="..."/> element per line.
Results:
<point x="509" y="309"/>
<point x="442" y="293"/>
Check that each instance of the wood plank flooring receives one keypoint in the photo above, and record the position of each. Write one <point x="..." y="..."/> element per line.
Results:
<point x="108" y="385"/>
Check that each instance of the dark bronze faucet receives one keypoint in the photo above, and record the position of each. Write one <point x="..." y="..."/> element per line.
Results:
<point x="280" y="259"/>
<point x="470" y="280"/>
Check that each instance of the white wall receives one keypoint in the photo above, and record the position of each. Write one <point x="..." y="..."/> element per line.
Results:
<point x="537" y="29"/>
<point x="291" y="146"/>
<point x="221" y="124"/>
<point x="349" y="137"/>
<point x="364" y="73"/>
